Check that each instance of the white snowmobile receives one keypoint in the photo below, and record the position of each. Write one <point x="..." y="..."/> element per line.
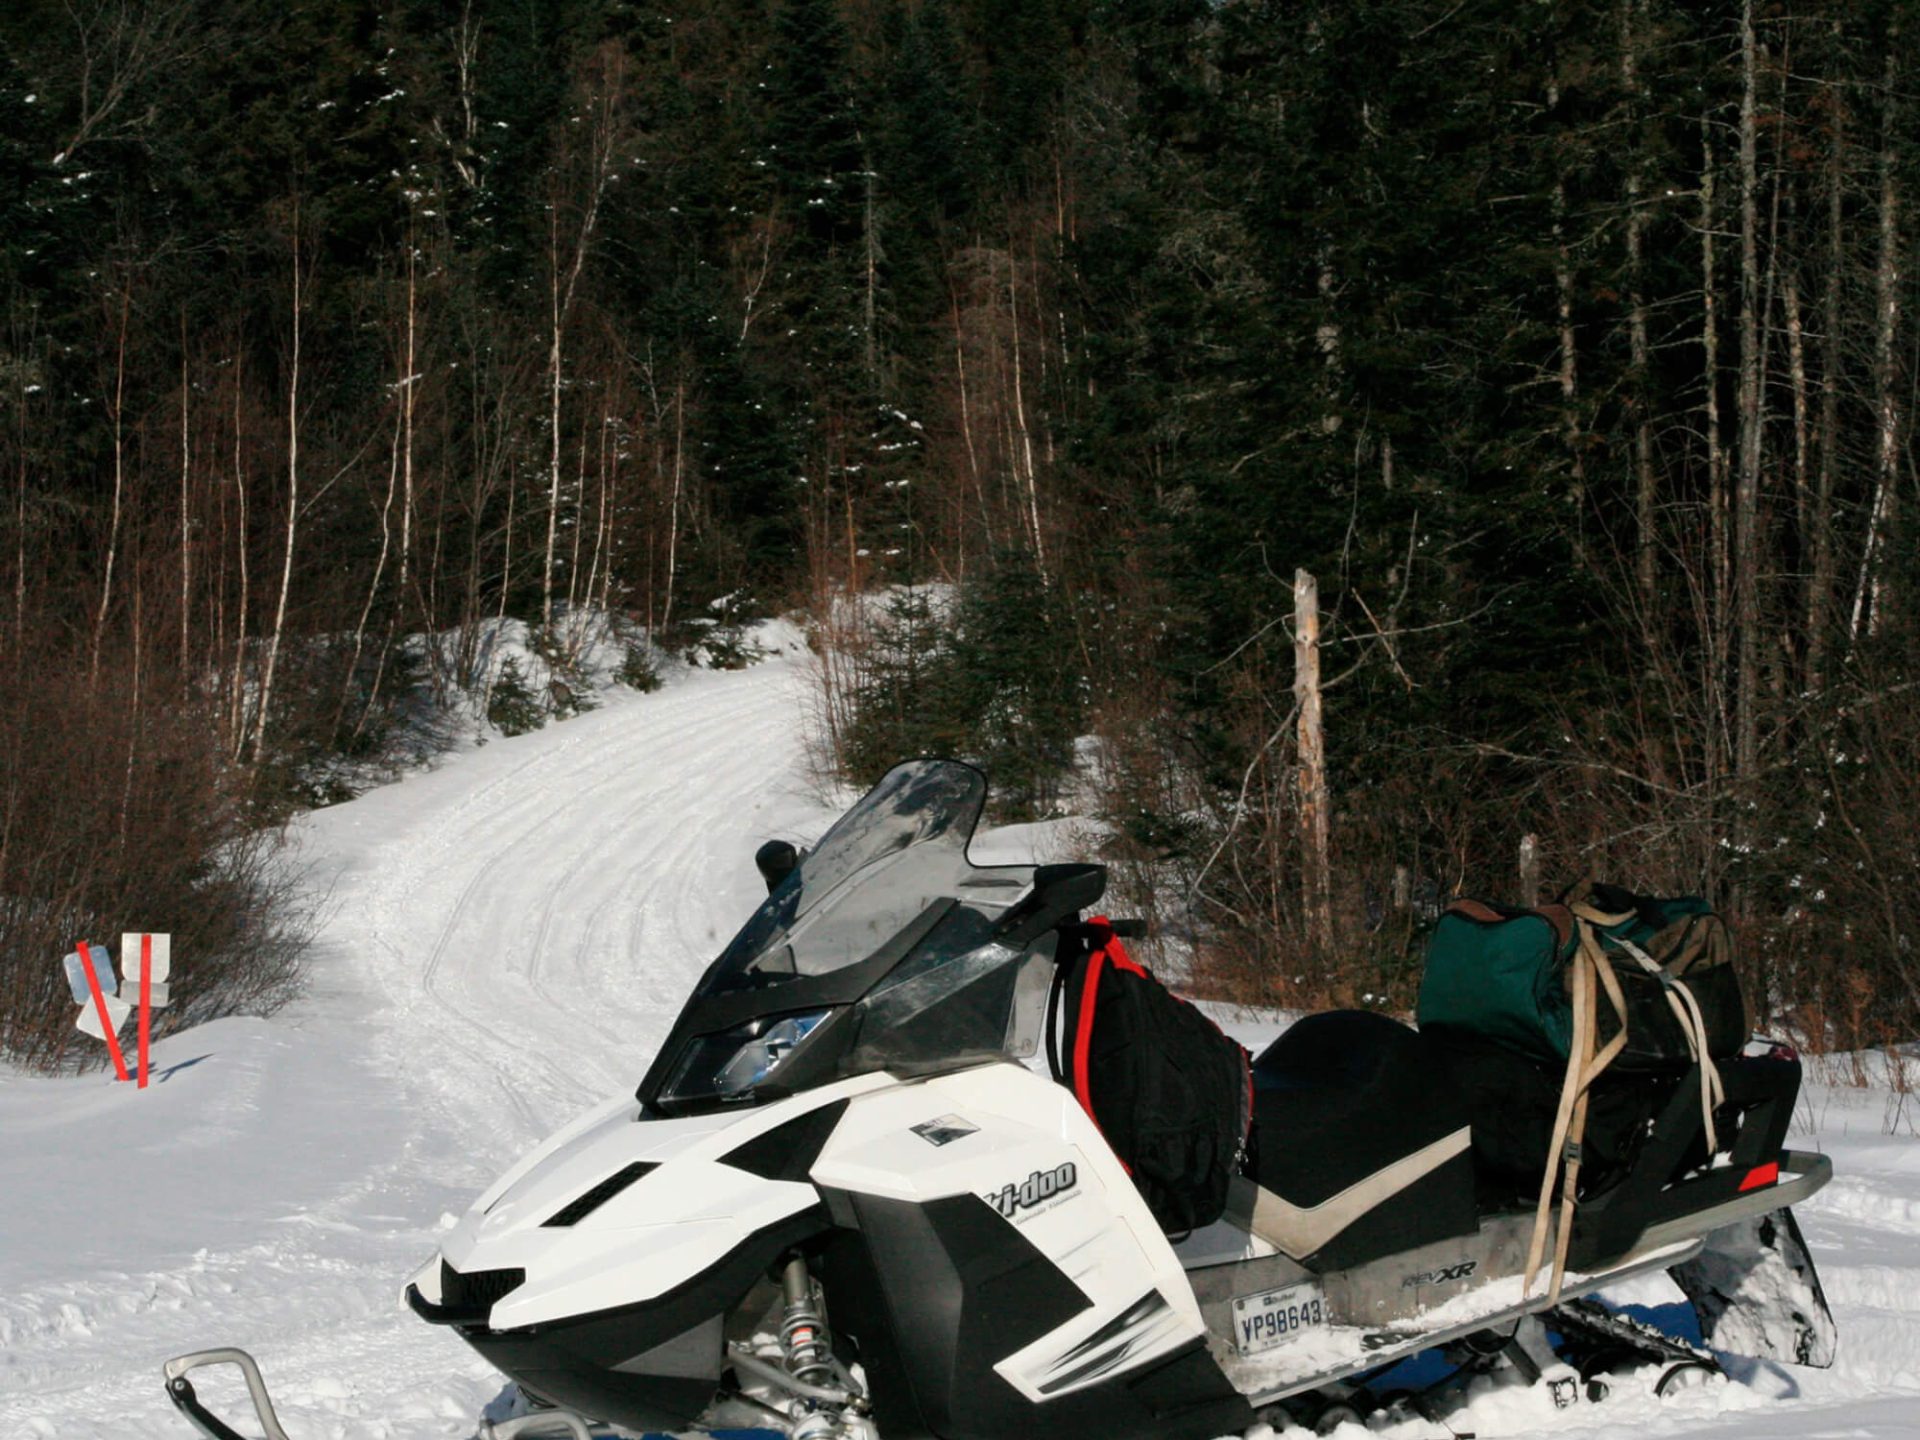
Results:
<point x="843" y="1205"/>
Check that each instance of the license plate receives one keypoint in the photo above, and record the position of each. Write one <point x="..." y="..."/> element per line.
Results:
<point x="1276" y="1317"/>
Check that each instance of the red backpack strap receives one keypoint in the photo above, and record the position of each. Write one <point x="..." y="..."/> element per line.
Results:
<point x="1106" y="950"/>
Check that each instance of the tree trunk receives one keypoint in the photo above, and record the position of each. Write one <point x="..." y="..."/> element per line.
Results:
<point x="966" y="425"/>
<point x="870" y="244"/>
<point x="1316" y="868"/>
<point x="1746" y="507"/>
<point x="1797" y="374"/>
<point x="293" y="510"/>
<point x="1716" y="562"/>
<point x="604" y="104"/>
<point x="673" y="499"/>
<point x="1646" y="487"/>
<point x="373" y="585"/>
<point x="186" y="518"/>
<point x="1870" y="598"/>
<point x="236" y="722"/>
<point x="119" y="481"/>
<point x="1025" y="461"/>
<point x="1821" y="576"/>
<point x="20" y="537"/>
<point x="1569" y="360"/>
<point x="553" y="418"/>
<point x="409" y="384"/>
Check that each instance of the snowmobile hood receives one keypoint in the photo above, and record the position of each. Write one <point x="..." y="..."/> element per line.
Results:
<point x="591" y="1215"/>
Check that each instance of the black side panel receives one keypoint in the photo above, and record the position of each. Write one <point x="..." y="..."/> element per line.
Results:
<point x="1342" y="1095"/>
<point x="1187" y="1394"/>
<point x="864" y="1329"/>
<point x="961" y="1289"/>
<point x="787" y="1152"/>
<point x="1437" y="1206"/>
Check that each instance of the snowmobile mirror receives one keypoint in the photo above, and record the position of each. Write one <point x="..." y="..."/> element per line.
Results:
<point x="775" y="860"/>
<point x="1058" y="891"/>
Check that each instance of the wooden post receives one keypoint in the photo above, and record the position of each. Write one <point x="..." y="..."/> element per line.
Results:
<point x="1529" y="870"/>
<point x="1316" y="876"/>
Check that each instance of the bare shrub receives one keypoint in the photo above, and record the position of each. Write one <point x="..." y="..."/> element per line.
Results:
<point x="117" y="815"/>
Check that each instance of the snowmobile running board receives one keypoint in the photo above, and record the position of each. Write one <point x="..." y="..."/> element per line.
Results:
<point x="180" y="1391"/>
<point x="1661" y="1247"/>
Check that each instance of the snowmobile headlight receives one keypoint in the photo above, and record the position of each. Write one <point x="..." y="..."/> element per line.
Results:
<point x="727" y="1064"/>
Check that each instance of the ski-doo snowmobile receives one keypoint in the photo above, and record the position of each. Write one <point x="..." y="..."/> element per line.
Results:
<point x="844" y="1203"/>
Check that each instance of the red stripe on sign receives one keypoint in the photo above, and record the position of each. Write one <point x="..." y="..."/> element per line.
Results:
<point x="1760" y="1175"/>
<point x="100" y="1005"/>
<point x="146" y="1002"/>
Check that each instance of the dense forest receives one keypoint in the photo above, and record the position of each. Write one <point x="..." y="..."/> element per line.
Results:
<point x="1033" y="348"/>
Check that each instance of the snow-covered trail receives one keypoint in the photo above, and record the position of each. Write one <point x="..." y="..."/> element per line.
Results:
<point x="505" y="941"/>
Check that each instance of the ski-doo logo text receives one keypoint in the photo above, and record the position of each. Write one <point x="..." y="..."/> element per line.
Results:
<point x="1441" y="1276"/>
<point x="1036" y="1189"/>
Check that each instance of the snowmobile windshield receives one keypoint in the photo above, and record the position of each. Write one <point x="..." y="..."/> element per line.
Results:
<point x="884" y="862"/>
<point x="885" y="948"/>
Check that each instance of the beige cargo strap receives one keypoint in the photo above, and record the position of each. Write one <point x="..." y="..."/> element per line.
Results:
<point x="1592" y="968"/>
<point x="1686" y="1011"/>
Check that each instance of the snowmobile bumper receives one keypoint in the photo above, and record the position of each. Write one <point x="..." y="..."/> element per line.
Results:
<point x="1799" y="1174"/>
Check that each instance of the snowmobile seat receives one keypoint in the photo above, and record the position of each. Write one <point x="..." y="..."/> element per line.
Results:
<point x="1357" y="1152"/>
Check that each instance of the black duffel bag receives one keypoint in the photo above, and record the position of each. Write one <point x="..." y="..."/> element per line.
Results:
<point x="1654" y="941"/>
<point x="1172" y="1094"/>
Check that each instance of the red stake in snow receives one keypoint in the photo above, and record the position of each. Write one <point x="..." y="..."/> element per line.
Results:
<point x="100" y="1006"/>
<point x="146" y="1002"/>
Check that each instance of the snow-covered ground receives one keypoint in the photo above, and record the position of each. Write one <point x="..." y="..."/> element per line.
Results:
<point x="506" y="939"/>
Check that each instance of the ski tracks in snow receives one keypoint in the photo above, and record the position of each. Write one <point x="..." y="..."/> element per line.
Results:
<point x="532" y="938"/>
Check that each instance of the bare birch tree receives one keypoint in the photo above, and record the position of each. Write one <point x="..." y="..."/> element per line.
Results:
<point x="604" y="95"/>
<point x="293" y="503"/>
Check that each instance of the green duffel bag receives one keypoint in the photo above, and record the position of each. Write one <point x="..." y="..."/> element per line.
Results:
<point x="1496" y="973"/>
<point x="1499" y="974"/>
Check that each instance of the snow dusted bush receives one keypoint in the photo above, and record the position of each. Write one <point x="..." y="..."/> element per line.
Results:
<point x="513" y="708"/>
<point x="639" y="670"/>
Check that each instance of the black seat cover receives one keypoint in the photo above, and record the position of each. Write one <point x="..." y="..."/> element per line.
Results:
<point x="1343" y="1095"/>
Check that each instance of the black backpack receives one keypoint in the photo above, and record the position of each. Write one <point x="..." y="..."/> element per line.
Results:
<point x="1172" y="1095"/>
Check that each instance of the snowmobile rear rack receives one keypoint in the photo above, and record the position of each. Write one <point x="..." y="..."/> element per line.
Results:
<point x="180" y="1390"/>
